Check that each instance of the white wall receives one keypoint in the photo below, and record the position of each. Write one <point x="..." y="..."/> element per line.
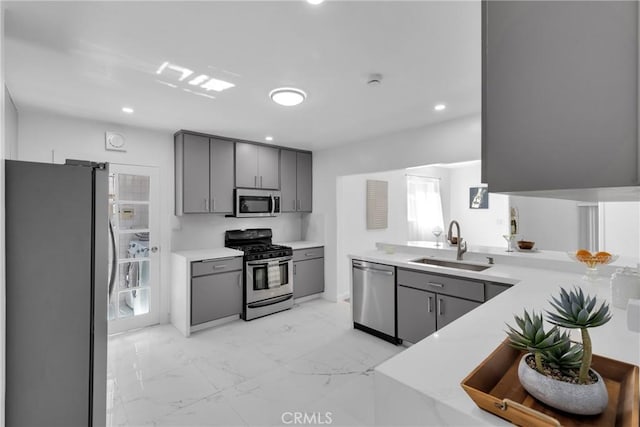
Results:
<point x="447" y="142"/>
<point x="207" y="231"/>
<point x="620" y="228"/>
<point x="352" y="234"/>
<point x="479" y="227"/>
<point x="41" y="133"/>
<point x="552" y="223"/>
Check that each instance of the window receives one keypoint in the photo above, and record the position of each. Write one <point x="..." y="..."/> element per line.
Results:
<point x="424" y="207"/>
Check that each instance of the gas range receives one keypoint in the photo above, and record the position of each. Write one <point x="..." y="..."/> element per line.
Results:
<point x="268" y="272"/>
<point x="263" y="251"/>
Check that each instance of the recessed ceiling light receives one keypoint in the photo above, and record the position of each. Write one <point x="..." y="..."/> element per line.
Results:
<point x="440" y="107"/>
<point x="287" y="96"/>
<point x="315" y="1"/>
<point x="268" y="138"/>
<point x="127" y="110"/>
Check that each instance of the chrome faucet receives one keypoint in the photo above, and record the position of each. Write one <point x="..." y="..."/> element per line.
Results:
<point x="462" y="246"/>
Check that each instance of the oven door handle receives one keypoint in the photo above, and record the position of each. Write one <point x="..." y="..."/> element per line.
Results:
<point x="270" y="301"/>
<point x="266" y="262"/>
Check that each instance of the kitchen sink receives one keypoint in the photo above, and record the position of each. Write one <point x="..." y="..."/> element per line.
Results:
<point x="451" y="264"/>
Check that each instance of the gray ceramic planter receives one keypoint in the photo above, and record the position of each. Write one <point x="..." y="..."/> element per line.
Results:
<point x="578" y="399"/>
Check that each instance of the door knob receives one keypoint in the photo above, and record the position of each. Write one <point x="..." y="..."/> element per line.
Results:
<point x="154" y="249"/>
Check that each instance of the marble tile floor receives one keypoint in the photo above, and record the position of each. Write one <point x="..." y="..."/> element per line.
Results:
<point x="307" y="361"/>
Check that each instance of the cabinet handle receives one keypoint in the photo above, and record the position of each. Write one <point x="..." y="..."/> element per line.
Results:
<point x="218" y="267"/>
<point x="437" y="285"/>
<point x="440" y="306"/>
<point x="240" y="280"/>
<point x="294" y="268"/>
<point x="294" y="205"/>
<point x="260" y="181"/>
<point x="308" y="254"/>
<point x="255" y="181"/>
<point x="429" y="308"/>
<point x="206" y="204"/>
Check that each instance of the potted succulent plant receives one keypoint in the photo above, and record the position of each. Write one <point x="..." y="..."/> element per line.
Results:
<point x="556" y="370"/>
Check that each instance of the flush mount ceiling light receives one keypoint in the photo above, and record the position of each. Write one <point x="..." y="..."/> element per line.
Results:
<point x="287" y="96"/>
<point x="314" y="2"/>
<point x="127" y="110"/>
<point x="268" y="138"/>
<point x="440" y="107"/>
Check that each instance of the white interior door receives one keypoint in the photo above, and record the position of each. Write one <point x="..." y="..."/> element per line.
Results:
<point x="134" y="291"/>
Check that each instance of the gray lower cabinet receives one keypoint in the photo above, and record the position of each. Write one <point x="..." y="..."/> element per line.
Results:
<point x="295" y="181"/>
<point x="257" y="166"/>
<point x="308" y="272"/>
<point x="451" y="308"/>
<point x="203" y="174"/>
<point x="214" y="296"/>
<point x="428" y="302"/>
<point x="560" y="96"/>
<point x="493" y="289"/>
<point x="416" y="314"/>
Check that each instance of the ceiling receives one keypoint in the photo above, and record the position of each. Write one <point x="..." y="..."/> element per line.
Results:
<point x="90" y="59"/>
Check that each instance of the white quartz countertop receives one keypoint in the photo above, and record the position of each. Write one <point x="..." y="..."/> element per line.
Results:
<point x="300" y="244"/>
<point x="495" y="273"/>
<point x="435" y="366"/>
<point x="213" y="253"/>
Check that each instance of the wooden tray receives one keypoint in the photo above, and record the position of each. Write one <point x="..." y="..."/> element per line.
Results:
<point x="494" y="386"/>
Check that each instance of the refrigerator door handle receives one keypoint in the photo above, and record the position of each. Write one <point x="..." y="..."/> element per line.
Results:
<point x="114" y="262"/>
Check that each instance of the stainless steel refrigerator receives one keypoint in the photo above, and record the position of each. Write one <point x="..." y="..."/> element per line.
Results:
<point x="56" y="281"/>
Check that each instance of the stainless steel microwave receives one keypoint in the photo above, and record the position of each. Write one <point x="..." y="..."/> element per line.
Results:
<point x="256" y="203"/>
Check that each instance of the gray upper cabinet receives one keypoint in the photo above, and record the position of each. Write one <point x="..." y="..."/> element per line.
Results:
<point x="269" y="167"/>
<point x="194" y="173"/>
<point x="288" y="181"/>
<point x="246" y="165"/>
<point x="296" y="181"/>
<point x="257" y="166"/>
<point x="304" y="181"/>
<point x="203" y="174"/>
<point x="559" y="95"/>
<point x="221" y="179"/>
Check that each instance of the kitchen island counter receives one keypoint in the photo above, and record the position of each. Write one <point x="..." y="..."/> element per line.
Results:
<point x="421" y="385"/>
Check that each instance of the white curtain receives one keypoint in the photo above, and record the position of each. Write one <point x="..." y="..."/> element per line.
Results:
<point x="424" y="207"/>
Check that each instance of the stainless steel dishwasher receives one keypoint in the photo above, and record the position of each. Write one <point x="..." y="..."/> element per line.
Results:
<point x="374" y="299"/>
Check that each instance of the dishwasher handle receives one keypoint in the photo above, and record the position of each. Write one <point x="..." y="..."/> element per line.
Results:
<point x="373" y="270"/>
